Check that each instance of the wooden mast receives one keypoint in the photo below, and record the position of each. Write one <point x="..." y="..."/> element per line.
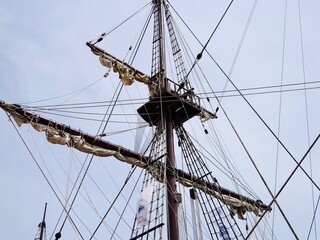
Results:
<point x="172" y="205"/>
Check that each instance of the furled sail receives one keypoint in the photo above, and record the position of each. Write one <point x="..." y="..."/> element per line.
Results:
<point x="61" y="134"/>
<point x="127" y="73"/>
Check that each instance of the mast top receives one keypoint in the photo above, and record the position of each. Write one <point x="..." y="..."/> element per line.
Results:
<point x="42" y="226"/>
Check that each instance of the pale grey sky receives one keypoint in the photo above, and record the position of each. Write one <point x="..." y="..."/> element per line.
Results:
<point x="43" y="55"/>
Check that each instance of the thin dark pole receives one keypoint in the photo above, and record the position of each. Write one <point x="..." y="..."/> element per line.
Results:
<point x="162" y="58"/>
<point x="43" y="223"/>
<point x="172" y="205"/>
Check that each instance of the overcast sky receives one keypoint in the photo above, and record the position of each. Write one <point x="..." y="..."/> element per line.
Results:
<point x="43" y="55"/>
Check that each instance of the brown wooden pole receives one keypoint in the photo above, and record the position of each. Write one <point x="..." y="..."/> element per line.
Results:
<point x="172" y="205"/>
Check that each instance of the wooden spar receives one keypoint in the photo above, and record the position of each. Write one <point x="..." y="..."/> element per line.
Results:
<point x="146" y="161"/>
<point x="98" y="51"/>
<point x="15" y="108"/>
<point x="215" y="187"/>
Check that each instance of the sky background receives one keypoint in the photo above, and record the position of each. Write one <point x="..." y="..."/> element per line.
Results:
<point x="43" y="55"/>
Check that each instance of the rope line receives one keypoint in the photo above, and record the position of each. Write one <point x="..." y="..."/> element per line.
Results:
<point x="286" y="182"/>
<point x="205" y="46"/>
<point x="280" y="108"/>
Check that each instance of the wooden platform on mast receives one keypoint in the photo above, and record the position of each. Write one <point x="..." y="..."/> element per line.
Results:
<point x="182" y="107"/>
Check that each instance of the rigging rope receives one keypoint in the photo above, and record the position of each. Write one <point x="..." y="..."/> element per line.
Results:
<point x="240" y="45"/>
<point x="58" y="235"/>
<point x="213" y="210"/>
<point x="106" y="33"/>
<point x="205" y="46"/>
<point x="139" y="101"/>
<point x="253" y="109"/>
<point x="42" y="172"/>
<point x="313" y="221"/>
<point x="307" y="116"/>
<point x="74" y="93"/>
<point x="222" y="168"/>
<point x="115" y="199"/>
<point x="264" y="122"/>
<point x="116" y="97"/>
<point x="286" y="182"/>
<point x="280" y="107"/>
<point x="126" y="205"/>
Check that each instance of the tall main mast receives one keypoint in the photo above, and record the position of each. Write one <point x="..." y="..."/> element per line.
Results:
<point x="172" y="205"/>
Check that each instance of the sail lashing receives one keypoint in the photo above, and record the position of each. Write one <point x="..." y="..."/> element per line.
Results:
<point x="127" y="73"/>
